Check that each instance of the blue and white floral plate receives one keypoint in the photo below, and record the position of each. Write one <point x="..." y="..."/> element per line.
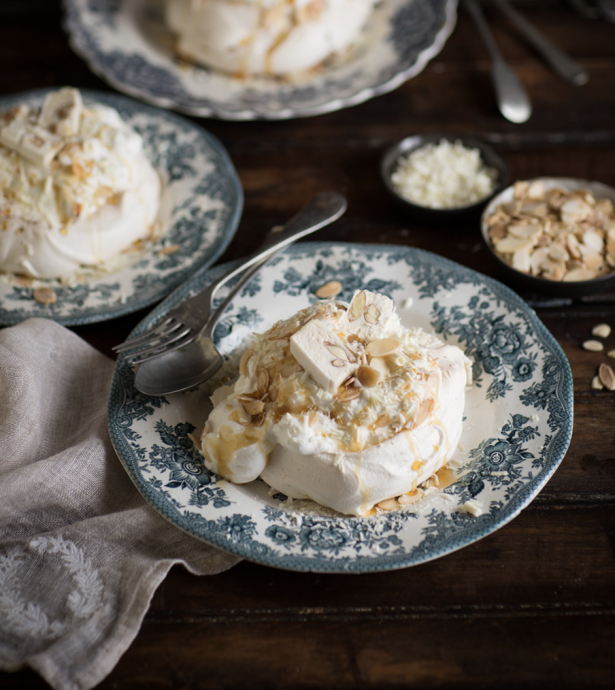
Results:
<point x="128" y="45"/>
<point x="518" y="417"/>
<point x="203" y="200"/>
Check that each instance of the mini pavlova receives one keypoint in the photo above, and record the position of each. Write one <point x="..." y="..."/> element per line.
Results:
<point x="342" y="405"/>
<point x="265" y="37"/>
<point x="76" y="187"/>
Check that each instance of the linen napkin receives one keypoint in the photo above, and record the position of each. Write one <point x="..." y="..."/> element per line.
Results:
<point x="81" y="552"/>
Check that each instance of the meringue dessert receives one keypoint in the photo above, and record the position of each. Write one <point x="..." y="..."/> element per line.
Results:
<point x="272" y="37"/>
<point x="342" y="405"/>
<point x="76" y="187"/>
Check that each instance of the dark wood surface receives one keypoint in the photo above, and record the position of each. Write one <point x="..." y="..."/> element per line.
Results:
<point x="532" y="605"/>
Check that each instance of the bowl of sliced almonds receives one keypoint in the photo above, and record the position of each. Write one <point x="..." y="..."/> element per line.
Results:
<point x="554" y="235"/>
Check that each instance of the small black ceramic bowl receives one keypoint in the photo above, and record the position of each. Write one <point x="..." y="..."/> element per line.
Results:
<point x="489" y="156"/>
<point x="527" y="283"/>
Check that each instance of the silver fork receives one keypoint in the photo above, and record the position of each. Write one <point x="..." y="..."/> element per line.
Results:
<point x="182" y="324"/>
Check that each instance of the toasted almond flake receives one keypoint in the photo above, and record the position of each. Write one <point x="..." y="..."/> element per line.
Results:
<point x="389" y="504"/>
<point x="372" y="314"/>
<point x="354" y="338"/>
<point x="358" y="306"/>
<point x="165" y="251"/>
<point x="348" y="394"/>
<point x="23" y="281"/>
<point x="336" y="350"/>
<point x="312" y="418"/>
<point x="44" y="295"/>
<point x="262" y="380"/>
<point x="611" y="354"/>
<point x="602" y="330"/>
<point x="290" y="369"/>
<point x="254" y="407"/>
<point x="411" y="497"/>
<point x="339" y="363"/>
<point x="383" y="347"/>
<point x="330" y="289"/>
<point x="235" y="416"/>
<point x="258" y="420"/>
<point x="593" y="346"/>
<point x="243" y="363"/>
<point x="369" y="376"/>
<point x="424" y="411"/>
<point x="597" y="384"/>
<point x="607" y="376"/>
<point x="383" y="420"/>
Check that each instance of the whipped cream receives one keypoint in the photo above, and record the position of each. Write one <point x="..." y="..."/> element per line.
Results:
<point x="277" y="37"/>
<point x="342" y="405"/>
<point x="76" y="187"/>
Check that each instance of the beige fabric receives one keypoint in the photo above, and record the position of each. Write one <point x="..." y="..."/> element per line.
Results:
<point x="81" y="553"/>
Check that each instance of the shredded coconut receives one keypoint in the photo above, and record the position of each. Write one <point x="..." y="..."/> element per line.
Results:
<point x="444" y="175"/>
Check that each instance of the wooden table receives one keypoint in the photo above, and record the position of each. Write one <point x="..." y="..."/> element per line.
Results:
<point x="531" y="605"/>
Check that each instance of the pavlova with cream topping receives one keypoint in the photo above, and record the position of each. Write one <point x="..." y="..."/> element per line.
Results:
<point x="273" y="37"/>
<point x="342" y="405"/>
<point x="76" y="187"/>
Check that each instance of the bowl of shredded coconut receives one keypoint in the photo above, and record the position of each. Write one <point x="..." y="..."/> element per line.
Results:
<point x="442" y="177"/>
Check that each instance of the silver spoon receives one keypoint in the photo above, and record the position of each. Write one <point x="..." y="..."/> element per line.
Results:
<point x="513" y="101"/>
<point x="187" y="367"/>
<point x="562" y="64"/>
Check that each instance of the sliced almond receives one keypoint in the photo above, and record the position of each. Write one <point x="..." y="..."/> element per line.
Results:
<point x="558" y="253"/>
<point x="372" y="314"/>
<point x="593" y="346"/>
<point x="339" y="363"/>
<point x="597" y="384"/>
<point x="513" y="244"/>
<point x="525" y="232"/>
<point x="521" y="260"/>
<point x="593" y="262"/>
<point x="237" y="417"/>
<point x="602" y="330"/>
<point x="383" y="347"/>
<point x="575" y="210"/>
<point x="330" y="289"/>
<point x="369" y="376"/>
<point x="573" y="246"/>
<point x="409" y="498"/>
<point x="258" y="420"/>
<point x="538" y="258"/>
<point x="336" y="350"/>
<point x="425" y="410"/>
<point x="262" y="380"/>
<point x="45" y="295"/>
<point x="254" y="407"/>
<point x="348" y="394"/>
<point x="593" y="241"/>
<point x="536" y="189"/>
<point x="389" y="504"/>
<point x="358" y="306"/>
<point x="383" y="420"/>
<point x="607" y="376"/>
<point x="579" y="274"/>
<point x="243" y="363"/>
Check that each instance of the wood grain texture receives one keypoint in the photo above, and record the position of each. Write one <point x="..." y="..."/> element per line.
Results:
<point x="530" y="606"/>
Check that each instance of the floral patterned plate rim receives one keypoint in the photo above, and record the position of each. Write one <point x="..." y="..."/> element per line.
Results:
<point x="204" y="199"/>
<point x="517" y="427"/>
<point x="127" y="44"/>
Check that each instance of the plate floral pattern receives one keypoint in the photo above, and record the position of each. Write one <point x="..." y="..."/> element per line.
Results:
<point x="517" y="427"/>
<point x="127" y="43"/>
<point x="206" y="204"/>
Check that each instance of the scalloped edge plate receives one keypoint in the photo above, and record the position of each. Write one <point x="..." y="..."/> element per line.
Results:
<point x="518" y="424"/>
<point x="207" y="200"/>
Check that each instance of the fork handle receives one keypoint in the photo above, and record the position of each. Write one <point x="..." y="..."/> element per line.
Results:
<point x="323" y="209"/>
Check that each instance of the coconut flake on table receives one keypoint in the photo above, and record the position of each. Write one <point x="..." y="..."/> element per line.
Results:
<point x="444" y="175"/>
